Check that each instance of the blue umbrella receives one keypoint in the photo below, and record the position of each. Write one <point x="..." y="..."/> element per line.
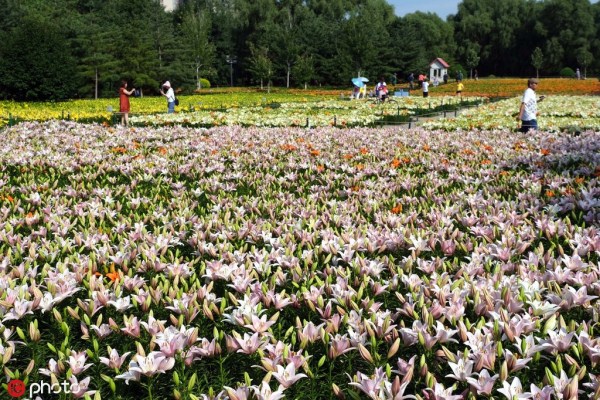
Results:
<point x="358" y="82"/>
<point x="362" y="78"/>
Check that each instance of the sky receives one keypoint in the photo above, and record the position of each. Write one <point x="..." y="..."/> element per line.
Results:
<point x="441" y="7"/>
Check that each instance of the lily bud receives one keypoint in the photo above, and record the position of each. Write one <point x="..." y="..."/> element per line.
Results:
<point x="29" y="368"/>
<point x="448" y="354"/>
<point x="34" y="332"/>
<point x="582" y="373"/>
<point x="510" y="335"/>
<point x="338" y="392"/>
<point x="394" y="348"/>
<point x="430" y="380"/>
<point x="503" y="371"/>
<point x="570" y="392"/>
<point x="365" y="353"/>
<point x="570" y="360"/>
<point x="396" y="386"/>
<point x="462" y="331"/>
<point x="57" y="315"/>
<point x="424" y="370"/>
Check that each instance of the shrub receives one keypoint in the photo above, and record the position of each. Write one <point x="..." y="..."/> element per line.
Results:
<point x="567" y="73"/>
<point x="454" y="70"/>
<point x="204" y="83"/>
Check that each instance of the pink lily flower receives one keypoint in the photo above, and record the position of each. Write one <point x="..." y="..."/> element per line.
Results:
<point x="54" y="368"/>
<point x="171" y="341"/>
<point x="152" y="364"/>
<point x="248" y="344"/>
<point x="264" y="392"/>
<point x="287" y="376"/>
<point x="339" y="344"/>
<point x="370" y="385"/>
<point x="259" y="325"/>
<point x="439" y="392"/>
<point x="241" y="393"/>
<point x="102" y="331"/>
<point x="80" y="388"/>
<point x="114" y="361"/>
<point x="513" y="390"/>
<point x="132" y="326"/>
<point x="77" y="362"/>
<point x="484" y="382"/>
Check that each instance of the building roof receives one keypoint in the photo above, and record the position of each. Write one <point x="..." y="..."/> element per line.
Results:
<point x="441" y="62"/>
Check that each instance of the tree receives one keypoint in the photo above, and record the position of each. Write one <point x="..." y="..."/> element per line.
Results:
<point x="584" y="58"/>
<point x="537" y="60"/>
<point x="405" y="47"/>
<point x="364" y="43"/>
<point x="555" y="52"/>
<point x="303" y="70"/>
<point x="97" y="64"/>
<point x="433" y="38"/>
<point x="36" y="62"/>
<point x="199" y="50"/>
<point x="284" y="35"/>
<point x="261" y="65"/>
<point x="497" y="29"/>
<point x="472" y="59"/>
<point x="568" y="26"/>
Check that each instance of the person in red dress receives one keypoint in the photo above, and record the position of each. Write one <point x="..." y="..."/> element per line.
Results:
<point x="124" y="102"/>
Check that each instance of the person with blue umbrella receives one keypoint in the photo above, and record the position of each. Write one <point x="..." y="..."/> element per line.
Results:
<point x="357" y="85"/>
<point x="360" y="87"/>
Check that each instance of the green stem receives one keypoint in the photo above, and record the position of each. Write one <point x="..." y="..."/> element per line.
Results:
<point x="221" y="371"/>
<point x="149" y="387"/>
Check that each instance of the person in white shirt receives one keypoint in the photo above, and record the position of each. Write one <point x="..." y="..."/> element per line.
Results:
<point x="425" y="86"/>
<point x="170" y="95"/>
<point x="381" y="90"/>
<point x="528" y="110"/>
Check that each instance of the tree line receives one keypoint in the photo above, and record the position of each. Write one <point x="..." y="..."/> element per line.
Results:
<point x="59" y="49"/>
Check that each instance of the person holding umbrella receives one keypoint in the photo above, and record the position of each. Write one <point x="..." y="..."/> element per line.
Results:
<point x="360" y="88"/>
<point x="355" y="91"/>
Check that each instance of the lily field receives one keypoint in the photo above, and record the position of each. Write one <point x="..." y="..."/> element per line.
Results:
<point x="230" y="252"/>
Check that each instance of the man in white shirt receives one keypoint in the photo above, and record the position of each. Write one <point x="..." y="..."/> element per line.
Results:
<point x="425" y="87"/>
<point x="528" y="110"/>
<point x="170" y="95"/>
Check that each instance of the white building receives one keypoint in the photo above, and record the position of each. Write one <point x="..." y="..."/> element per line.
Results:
<point x="170" y="5"/>
<point x="438" y="68"/>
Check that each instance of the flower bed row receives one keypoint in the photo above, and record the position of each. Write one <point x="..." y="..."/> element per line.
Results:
<point x="557" y="113"/>
<point x="258" y="263"/>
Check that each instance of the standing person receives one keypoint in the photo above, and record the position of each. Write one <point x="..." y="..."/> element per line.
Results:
<point x="381" y="90"/>
<point x="578" y="74"/>
<point x="476" y="76"/>
<point x="528" y="110"/>
<point x="445" y="77"/>
<point x="411" y="79"/>
<point x="459" y="88"/>
<point x="170" y="95"/>
<point x="124" y="102"/>
<point x="362" y="93"/>
<point x="425" y="86"/>
<point x="355" y="92"/>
